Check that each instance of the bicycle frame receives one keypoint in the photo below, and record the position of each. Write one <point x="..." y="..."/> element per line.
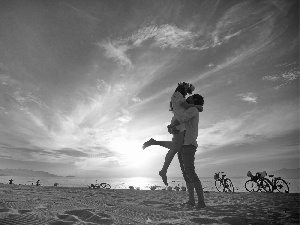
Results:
<point x="262" y="182"/>
<point x="226" y="183"/>
<point x="217" y="176"/>
<point x="273" y="182"/>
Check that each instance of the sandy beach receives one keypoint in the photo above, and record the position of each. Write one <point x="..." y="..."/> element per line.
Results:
<point x="21" y="204"/>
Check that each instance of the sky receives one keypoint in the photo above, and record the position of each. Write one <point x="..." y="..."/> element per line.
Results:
<point x="83" y="84"/>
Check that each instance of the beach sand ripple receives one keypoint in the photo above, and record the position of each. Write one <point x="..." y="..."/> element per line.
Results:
<point x="58" y="206"/>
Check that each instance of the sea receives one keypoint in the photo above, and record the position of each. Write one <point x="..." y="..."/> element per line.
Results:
<point x="142" y="183"/>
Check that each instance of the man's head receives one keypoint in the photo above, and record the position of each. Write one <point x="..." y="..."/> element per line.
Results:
<point x="195" y="99"/>
<point x="198" y="99"/>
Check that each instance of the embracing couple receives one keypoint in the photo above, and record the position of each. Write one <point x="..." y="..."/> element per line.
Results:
<point x="184" y="127"/>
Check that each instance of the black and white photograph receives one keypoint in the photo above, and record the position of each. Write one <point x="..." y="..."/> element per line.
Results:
<point x="159" y="112"/>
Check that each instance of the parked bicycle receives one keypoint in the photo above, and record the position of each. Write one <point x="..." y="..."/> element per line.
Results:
<point x="223" y="184"/>
<point x="279" y="184"/>
<point x="101" y="185"/>
<point x="258" y="182"/>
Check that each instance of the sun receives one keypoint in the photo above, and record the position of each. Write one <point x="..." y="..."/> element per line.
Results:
<point x="135" y="156"/>
<point x="131" y="152"/>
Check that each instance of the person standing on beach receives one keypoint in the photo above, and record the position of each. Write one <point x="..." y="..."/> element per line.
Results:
<point x="178" y="106"/>
<point x="186" y="155"/>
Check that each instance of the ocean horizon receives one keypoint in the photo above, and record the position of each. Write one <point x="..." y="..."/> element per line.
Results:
<point x="142" y="183"/>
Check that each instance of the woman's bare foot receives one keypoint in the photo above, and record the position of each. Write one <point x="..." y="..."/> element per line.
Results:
<point x="163" y="177"/>
<point x="148" y="143"/>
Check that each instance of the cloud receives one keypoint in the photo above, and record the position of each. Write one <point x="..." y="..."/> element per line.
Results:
<point x="83" y="14"/>
<point x="248" y="97"/>
<point x="163" y="36"/>
<point x="252" y="126"/>
<point x="173" y="37"/>
<point x="271" y="78"/>
<point x="72" y="152"/>
<point x="21" y="93"/>
<point x="95" y="163"/>
<point x="27" y="153"/>
<point x="237" y="20"/>
<point x="95" y="116"/>
<point x="124" y="119"/>
<point x="284" y="74"/>
<point x="291" y="75"/>
<point x="136" y="99"/>
<point x="102" y="122"/>
<point x="117" y="51"/>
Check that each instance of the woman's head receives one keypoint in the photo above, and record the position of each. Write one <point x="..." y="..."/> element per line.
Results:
<point x="181" y="88"/>
<point x="185" y="88"/>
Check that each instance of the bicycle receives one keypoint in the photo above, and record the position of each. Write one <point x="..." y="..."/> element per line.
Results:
<point x="258" y="182"/>
<point x="279" y="184"/>
<point x="101" y="185"/>
<point x="223" y="184"/>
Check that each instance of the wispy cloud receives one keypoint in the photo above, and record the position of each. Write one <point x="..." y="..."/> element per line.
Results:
<point x="163" y="36"/>
<point x="271" y="78"/>
<point x="82" y="13"/>
<point x="285" y="74"/>
<point x="117" y="51"/>
<point x="253" y="126"/>
<point x="72" y="152"/>
<point x="61" y="131"/>
<point x="248" y="97"/>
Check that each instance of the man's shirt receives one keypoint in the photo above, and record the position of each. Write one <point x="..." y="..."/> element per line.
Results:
<point x="191" y="120"/>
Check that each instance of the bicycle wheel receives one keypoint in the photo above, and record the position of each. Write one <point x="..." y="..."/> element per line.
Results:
<point x="219" y="185"/>
<point x="105" y="186"/>
<point x="228" y="185"/>
<point x="251" y="186"/>
<point x="265" y="185"/>
<point x="282" y="186"/>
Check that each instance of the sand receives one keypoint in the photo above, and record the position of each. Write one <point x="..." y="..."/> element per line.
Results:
<point x="21" y="204"/>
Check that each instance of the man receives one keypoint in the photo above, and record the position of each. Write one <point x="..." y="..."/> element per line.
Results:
<point x="187" y="154"/>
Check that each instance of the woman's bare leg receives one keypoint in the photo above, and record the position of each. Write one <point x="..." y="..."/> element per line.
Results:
<point x="166" y="144"/>
<point x="174" y="146"/>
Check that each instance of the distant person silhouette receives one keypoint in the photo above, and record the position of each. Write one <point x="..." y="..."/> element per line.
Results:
<point x="178" y="106"/>
<point x="11" y="181"/>
<point x="38" y="183"/>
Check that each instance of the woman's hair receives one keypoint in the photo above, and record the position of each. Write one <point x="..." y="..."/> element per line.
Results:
<point x="183" y="88"/>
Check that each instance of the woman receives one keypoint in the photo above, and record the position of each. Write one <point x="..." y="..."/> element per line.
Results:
<point x="178" y="106"/>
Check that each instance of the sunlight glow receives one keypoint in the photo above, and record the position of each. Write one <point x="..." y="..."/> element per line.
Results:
<point x="132" y="153"/>
<point x="140" y="182"/>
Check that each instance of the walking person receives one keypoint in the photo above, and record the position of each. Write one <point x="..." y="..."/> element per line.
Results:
<point x="178" y="106"/>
